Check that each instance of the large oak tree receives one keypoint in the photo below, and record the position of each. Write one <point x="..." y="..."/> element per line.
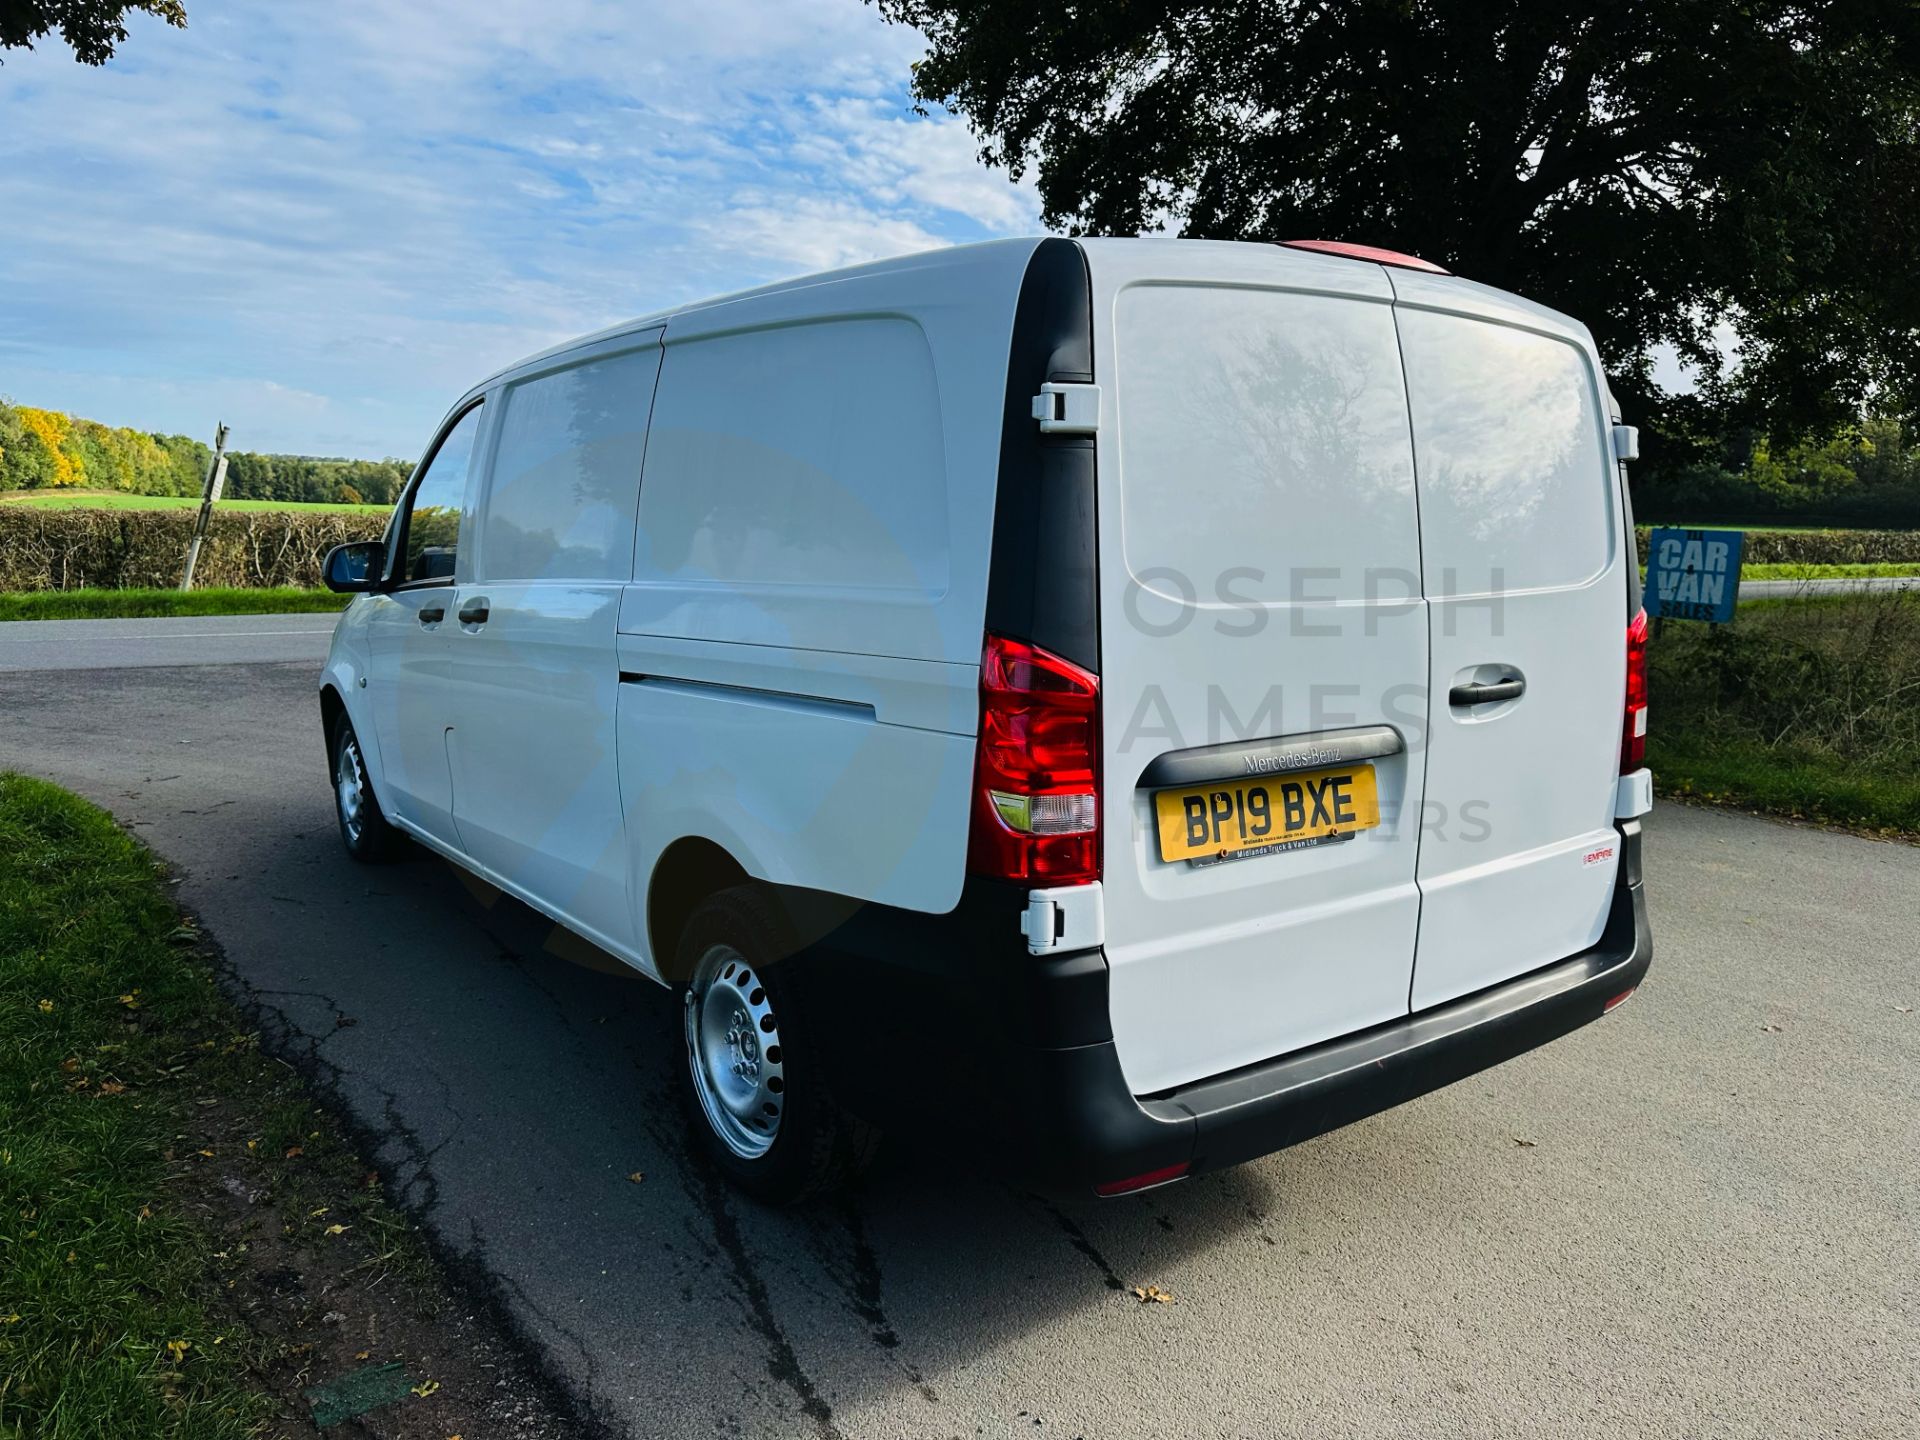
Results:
<point x="92" y="27"/>
<point x="1655" y="167"/>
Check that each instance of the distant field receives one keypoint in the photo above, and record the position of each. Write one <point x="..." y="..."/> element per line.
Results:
<point x="114" y="500"/>
<point x="1783" y="570"/>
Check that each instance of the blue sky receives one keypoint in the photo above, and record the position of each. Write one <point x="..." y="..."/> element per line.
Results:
<point x="321" y="222"/>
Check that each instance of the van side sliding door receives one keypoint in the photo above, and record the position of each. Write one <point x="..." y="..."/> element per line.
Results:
<point x="533" y="671"/>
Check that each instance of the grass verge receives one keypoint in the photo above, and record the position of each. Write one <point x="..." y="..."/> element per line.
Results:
<point x="118" y="500"/>
<point x="187" y="1241"/>
<point x="1806" y="707"/>
<point x="129" y="604"/>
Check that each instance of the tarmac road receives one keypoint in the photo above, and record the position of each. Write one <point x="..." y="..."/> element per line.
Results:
<point x="1699" y="1217"/>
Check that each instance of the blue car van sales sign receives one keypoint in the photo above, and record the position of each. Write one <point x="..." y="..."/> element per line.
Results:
<point x="1693" y="574"/>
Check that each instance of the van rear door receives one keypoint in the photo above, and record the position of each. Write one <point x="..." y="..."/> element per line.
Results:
<point x="1263" y="653"/>
<point x="1522" y="532"/>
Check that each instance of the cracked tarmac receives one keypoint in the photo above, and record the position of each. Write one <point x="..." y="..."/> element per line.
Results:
<point x="1713" y="1230"/>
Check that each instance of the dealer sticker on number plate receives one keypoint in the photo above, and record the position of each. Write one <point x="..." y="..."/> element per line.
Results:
<point x="1237" y="820"/>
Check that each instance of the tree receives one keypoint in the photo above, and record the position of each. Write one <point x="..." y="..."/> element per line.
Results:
<point x="1653" y="168"/>
<point x="92" y="27"/>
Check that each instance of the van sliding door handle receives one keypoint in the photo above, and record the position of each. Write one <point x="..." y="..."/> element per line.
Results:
<point x="1488" y="693"/>
<point x="475" y="611"/>
<point x="432" y="614"/>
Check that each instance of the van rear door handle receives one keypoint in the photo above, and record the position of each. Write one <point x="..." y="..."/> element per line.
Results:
<point x="432" y="614"/>
<point x="1487" y="694"/>
<point x="475" y="611"/>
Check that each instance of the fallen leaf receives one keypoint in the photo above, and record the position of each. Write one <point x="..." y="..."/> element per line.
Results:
<point x="178" y="1349"/>
<point x="294" y="1152"/>
<point x="1152" y="1294"/>
<point x="426" y="1388"/>
<point x="1904" y="1009"/>
<point x="361" y="1354"/>
<point x="13" y="1319"/>
<point x="46" y="1007"/>
<point x="131" y="1000"/>
<point x="253" y="1144"/>
<point x="338" y="1229"/>
<point x="636" y="1177"/>
<point x="1524" y="1144"/>
<point x="207" y="1153"/>
<point x="112" y="1087"/>
<point x="1769" y="1029"/>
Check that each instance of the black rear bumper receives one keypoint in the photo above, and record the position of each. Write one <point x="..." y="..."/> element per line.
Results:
<point x="1042" y="1081"/>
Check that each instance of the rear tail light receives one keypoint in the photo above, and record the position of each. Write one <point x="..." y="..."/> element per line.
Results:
<point x="1036" y="807"/>
<point x="1633" y="729"/>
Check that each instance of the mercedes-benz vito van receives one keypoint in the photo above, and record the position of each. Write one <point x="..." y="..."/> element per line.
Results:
<point x="1108" y="708"/>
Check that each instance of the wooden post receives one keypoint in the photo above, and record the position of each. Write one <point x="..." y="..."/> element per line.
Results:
<point x="216" y="481"/>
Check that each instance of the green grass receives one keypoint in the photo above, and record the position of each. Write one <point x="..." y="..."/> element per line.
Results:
<point x="122" y="604"/>
<point x="115" y="500"/>
<point x="103" y="1328"/>
<point x="1803" y="783"/>
<point x="1807" y="707"/>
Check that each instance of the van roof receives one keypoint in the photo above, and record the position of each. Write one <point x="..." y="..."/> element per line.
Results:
<point x="1447" y="289"/>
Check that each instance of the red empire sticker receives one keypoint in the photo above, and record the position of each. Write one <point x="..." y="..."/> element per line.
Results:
<point x="1594" y="857"/>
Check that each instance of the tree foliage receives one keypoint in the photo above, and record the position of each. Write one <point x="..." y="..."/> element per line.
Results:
<point x="94" y="28"/>
<point x="1655" y="167"/>
<point x="41" y="449"/>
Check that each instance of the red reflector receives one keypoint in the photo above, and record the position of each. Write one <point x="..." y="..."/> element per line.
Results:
<point x="1617" y="1001"/>
<point x="1367" y="252"/>
<point x="1633" y="728"/>
<point x="1144" y="1182"/>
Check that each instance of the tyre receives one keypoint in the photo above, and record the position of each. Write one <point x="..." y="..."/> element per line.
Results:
<point x="363" y="828"/>
<point x="756" y="1085"/>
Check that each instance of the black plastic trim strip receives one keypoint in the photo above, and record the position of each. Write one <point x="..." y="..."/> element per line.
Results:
<point x="792" y="699"/>
<point x="1043" y="581"/>
<point x="1239" y="759"/>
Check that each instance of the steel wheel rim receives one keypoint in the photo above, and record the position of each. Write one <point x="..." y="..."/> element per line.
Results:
<point x="350" y="790"/>
<point x="734" y="1052"/>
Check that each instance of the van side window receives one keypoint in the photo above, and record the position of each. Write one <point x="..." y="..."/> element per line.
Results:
<point x="432" y="522"/>
<point x="1515" y="473"/>
<point x="566" y="473"/>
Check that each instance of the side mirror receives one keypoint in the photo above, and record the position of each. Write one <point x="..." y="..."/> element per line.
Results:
<point x="355" y="569"/>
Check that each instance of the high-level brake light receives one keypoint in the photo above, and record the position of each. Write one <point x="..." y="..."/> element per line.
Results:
<point x="1367" y="252"/>
<point x="1036" y="806"/>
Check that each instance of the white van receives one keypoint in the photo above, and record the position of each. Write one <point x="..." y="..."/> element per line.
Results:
<point x="1125" y="706"/>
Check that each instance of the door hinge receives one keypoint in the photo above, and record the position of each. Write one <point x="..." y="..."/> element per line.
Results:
<point x="1067" y="409"/>
<point x="1626" y="442"/>
<point x="1072" y="917"/>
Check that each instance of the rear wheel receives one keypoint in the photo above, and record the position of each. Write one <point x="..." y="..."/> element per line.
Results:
<point x="757" y="1088"/>
<point x="363" y="827"/>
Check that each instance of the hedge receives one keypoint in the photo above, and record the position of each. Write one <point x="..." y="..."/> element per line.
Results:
<point x="45" y="549"/>
<point x="1824" y="547"/>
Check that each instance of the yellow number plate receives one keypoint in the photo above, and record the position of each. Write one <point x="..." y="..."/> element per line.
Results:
<point x="1234" y="819"/>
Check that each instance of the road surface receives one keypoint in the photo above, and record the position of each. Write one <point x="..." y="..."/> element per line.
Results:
<point x="1700" y="1217"/>
<point x="189" y="640"/>
<point x="1837" y="585"/>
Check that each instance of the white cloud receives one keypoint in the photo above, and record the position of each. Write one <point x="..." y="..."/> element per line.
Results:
<point x="371" y="205"/>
